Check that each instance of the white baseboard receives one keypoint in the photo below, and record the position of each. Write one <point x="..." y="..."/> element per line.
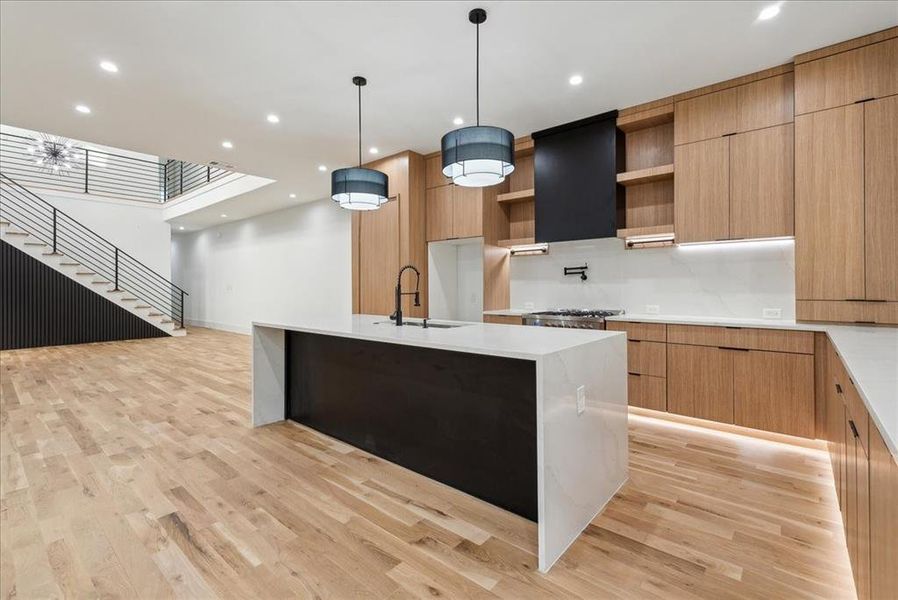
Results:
<point x="245" y="330"/>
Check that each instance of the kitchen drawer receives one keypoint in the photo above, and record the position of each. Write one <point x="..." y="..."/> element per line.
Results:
<point x="645" y="391"/>
<point x="647" y="358"/>
<point x="649" y="332"/>
<point x="773" y="340"/>
<point x="503" y="319"/>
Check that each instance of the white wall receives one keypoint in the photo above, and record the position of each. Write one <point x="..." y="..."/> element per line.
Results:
<point x="135" y="227"/>
<point x="281" y="266"/>
<point x="738" y="279"/>
<point x="455" y="279"/>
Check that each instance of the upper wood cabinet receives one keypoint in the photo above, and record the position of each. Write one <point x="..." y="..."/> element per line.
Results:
<point x="454" y="212"/>
<point x="735" y="187"/>
<point x="433" y="172"/>
<point x="844" y="78"/>
<point x="763" y="103"/>
<point x="704" y="117"/>
<point x="702" y="191"/>
<point x="761" y="183"/>
<point x="881" y="198"/>
<point x="829" y="204"/>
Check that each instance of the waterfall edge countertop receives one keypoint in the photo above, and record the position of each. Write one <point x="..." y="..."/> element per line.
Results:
<point x="869" y="353"/>
<point x="475" y="338"/>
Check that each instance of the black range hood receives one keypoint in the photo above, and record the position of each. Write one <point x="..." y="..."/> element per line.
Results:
<point x="576" y="179"/>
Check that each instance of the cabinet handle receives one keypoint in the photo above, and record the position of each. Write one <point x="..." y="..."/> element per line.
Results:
<point x="853" y="428"/>
<point x="734" y="132"/>
<point x="636" y="341"/>
<point x="732" y="327"/>
<point x="731" y="348"/>
<point x="864" y="100"/>
<point x="635" y="374"/>
<point x="838" y="389"/>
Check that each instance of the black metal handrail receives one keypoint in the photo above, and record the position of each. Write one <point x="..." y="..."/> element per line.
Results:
<point x="65" y="235"/>
<point x="106" y="174"/>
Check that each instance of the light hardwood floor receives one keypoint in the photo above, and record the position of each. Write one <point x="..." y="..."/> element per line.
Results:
<point x="129" y="470"/>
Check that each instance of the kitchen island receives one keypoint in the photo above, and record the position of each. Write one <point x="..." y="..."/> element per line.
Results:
<point x="530" y="419"/>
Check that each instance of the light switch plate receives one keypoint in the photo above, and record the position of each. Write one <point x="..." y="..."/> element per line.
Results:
<point x="652" y="309"/>
<point x="581" y="399"/>
<point x="773" y="313"/>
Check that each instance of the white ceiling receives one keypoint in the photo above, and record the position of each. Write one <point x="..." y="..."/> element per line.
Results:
<point x="195" y="73"/>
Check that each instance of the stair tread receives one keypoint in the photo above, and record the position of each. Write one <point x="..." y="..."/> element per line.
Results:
<point x="35" y="244"/>
<point x="17" y="233"/>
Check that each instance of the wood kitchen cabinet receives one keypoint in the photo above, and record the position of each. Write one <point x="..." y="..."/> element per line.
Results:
<point x="883" y="519"/>
<point x="774" y="391"/>
<point x="761" y="183"/>
<point x="844" y="78"/>
<point x="700" y="382"/>
<point x="701" y="191"/>
<point x="756" y="105"/>
<point x="454" y="212"/>
<point x="881" y="198"/>
<point x="829" y="204"/>
<point x="645" y="391"/>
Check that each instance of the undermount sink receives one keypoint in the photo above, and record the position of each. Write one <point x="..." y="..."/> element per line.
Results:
<point x="421" y="324"/>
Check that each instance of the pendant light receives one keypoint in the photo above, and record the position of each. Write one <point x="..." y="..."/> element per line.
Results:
<point x="478" y="156"/>
<point x="358" y="188"/>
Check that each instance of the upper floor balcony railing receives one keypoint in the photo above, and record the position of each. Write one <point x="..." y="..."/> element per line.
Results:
<point x="50" y="163"/>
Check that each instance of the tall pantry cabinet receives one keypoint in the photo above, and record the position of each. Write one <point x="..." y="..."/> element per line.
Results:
<point x="846" y="183"/>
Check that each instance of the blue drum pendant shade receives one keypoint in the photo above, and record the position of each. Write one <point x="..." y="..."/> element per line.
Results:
<point x="477" y="156"/>
<point x="358" y="188"/>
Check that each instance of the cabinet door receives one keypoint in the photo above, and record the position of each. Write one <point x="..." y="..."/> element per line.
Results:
<point x="378" y="258"/>
<point x="439" y="213"/>
<point x="829" y="204"/>
<point x="467" y="212"/>
<point x="862" y="487"/>
<point x="645" y="391"/>
<point x="705" y="117"/>
<point x="764" y="103"/>
<point x="849" y="513"/>
<point x="867" y="72"/>
<point x="883" y="519"/>
<point x="881" y="197"/>
<point x="774" y="391"/>
<point x="701" y="191"/>
<point x="700" y="382"/>
<point x="762" y="202"/>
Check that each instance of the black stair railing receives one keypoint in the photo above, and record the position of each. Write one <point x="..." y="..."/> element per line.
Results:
<point x="104" y="174"/>
<point x="34" y="215"/>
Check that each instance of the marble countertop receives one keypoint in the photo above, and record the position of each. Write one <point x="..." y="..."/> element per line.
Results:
<point x="477" y="338"/>
<point x="870" y="355"/>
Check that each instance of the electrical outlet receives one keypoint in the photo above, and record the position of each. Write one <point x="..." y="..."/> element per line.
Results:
<point x="652" y="309"/>
<point x="581" y="399"/>
<point x="773" y="313"/>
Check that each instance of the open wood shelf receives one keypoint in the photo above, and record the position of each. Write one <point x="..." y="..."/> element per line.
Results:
<point x="520" y="196"/>
<point x="647" y="118"/>
<point x="517" y="242"/>
<point x="648" y="175"/>
<point x="651" y="230"/>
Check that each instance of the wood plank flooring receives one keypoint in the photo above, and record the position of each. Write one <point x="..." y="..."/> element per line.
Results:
<point x="129" y="470"/>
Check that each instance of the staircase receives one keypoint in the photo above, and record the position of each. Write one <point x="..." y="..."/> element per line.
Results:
<point x="34" y="226"/>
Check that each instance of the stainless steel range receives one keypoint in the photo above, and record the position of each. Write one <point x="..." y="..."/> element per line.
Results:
<point x="572" y="318"/>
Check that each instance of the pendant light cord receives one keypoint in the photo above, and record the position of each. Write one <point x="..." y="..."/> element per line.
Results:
<point x="478" y="74"/>
<point x="360" y="125"/>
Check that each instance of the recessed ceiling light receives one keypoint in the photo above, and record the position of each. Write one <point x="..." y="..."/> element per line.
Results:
<point x="373" y="150"/>
<point x="109" y="66"/>
<point x="227" y="144"/>
<point x="224" y="216"/>
<point x="575" y="79"/>
<point x="272" y="118"/>
<point x="768" y="12"/>
<point x="322" y="168"/>
<point x="82" y="109"/>
<point x="293" y="195"/>
<point x="458" y="121"/>
<point x="181" y="228"/>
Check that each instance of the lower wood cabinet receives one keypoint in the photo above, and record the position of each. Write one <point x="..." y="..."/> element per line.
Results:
<point x="700" y="382"/>
<point x="503" y="319"/>
<point x="774" y="391"/>
<point x="883" y="519"/>
<point x="646" y="391"/>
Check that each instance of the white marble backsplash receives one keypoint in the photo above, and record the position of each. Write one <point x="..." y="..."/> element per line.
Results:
<point x="728" y="280"/>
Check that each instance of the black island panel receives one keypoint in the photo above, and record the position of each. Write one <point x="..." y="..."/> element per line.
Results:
<point x="466" y="420"/>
